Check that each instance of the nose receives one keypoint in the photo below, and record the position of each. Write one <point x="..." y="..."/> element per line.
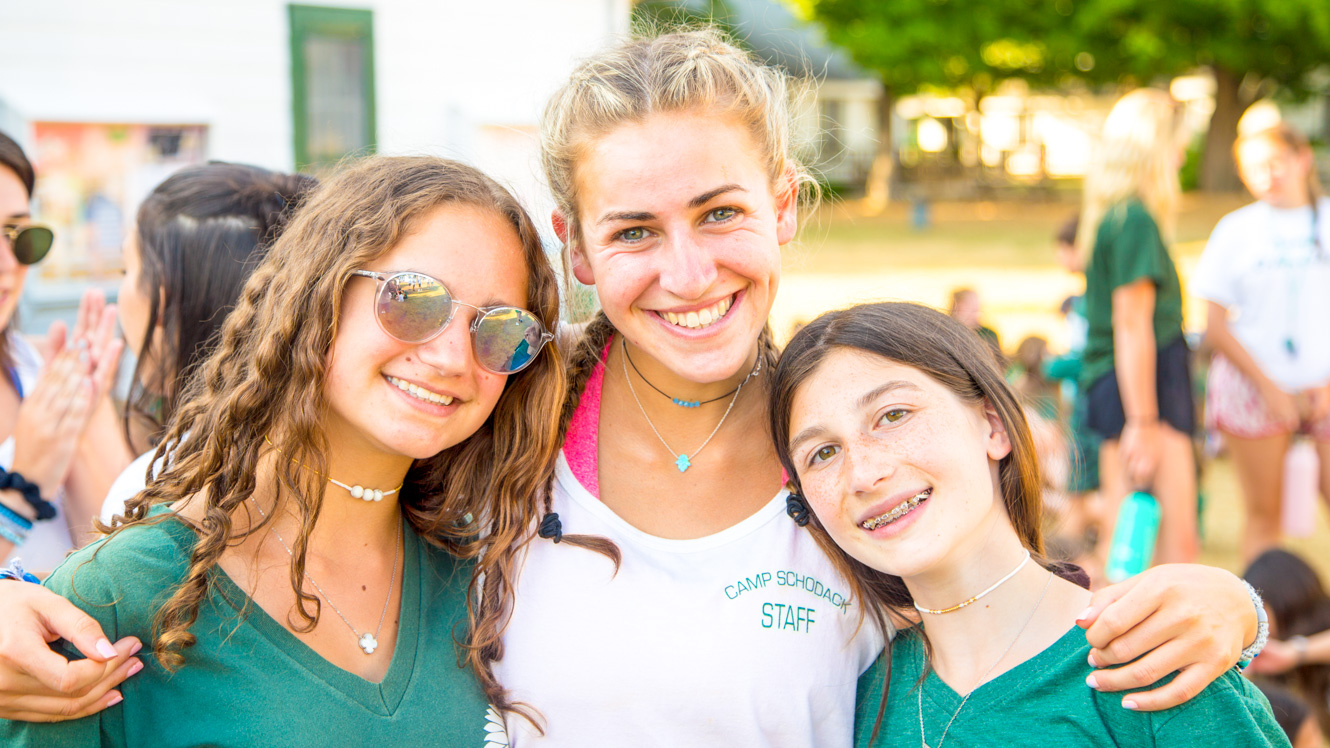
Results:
<point x="867" y="465"/>
<point x="450" y="353"/>
<point x="689" y="267"/>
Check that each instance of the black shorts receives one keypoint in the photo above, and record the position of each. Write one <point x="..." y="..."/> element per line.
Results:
<point x="1103" y="413"/>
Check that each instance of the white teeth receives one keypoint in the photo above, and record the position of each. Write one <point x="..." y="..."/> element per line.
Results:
<point x="700" y="318"/>
<point x="420" y="393"/>
<point x="900" y="511"/>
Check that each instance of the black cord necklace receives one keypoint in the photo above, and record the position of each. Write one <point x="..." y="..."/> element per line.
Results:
<point x="678" y="401"/>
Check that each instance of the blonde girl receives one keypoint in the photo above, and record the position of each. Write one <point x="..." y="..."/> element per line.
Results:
<point x="1265" y="277"/>
<point x="298" y="568"/>
<point x="1136" y="372"/>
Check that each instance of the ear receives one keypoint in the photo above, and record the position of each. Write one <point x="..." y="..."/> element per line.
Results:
<point x="999" y="441"/>
<point x="787" y="207"/>
<point x="581" y="268"/>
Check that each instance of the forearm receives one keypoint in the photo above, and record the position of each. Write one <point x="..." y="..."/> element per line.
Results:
<point x="1318" y="649"/>
<point x="1223" y="341"/>
<point x="101" y="456"/>
<point x="1134" y="360"/>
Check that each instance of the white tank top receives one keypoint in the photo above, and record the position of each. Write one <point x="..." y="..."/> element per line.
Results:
<point x="742" y="638"/>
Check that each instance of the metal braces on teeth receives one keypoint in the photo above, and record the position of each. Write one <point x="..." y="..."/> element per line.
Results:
<point x="898" y="512"/>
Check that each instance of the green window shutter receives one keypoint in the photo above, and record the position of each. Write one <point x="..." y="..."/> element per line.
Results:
<point x="332" y="85"/>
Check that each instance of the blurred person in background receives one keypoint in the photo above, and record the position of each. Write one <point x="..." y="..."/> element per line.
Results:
<point x="198" y="236"/>
<point x="966" y="308"/>
<point x="1137" y="365"/>
<point x="1298" y="653"/>
<point x="61" y="448"/>
<point x="1265" y="277"/>
<point x="1293" y="715"/>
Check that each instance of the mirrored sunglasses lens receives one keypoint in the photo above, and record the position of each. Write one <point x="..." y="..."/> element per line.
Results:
<point x="413" y="307"/>
<point x="508" y="339"/>
<point x="32" y="244"/>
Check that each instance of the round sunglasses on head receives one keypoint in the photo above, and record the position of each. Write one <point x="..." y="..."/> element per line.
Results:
<point x="414" y="308"/>
<point x="30" y="241"/>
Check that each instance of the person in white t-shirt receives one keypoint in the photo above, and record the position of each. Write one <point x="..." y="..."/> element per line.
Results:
<point x="1265" y="275"/>
<point x="690" y="609"/>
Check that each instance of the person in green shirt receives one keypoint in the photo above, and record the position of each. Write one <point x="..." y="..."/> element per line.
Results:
<point x="916" y="460"/>
<point x="1136" y="371"/>
<point x="299" y="564"/>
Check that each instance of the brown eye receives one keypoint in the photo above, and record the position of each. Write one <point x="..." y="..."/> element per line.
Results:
<point x="824" y="453"/>
<point x="893" y="415"/>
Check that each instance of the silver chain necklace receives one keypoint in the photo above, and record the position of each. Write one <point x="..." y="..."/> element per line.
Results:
<point x="920" y="691"/>
<point x="367" y="641"/>
<point x="681" y="460"/>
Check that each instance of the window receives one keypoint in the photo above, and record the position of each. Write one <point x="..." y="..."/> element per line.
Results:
<point x="332" y="84"/>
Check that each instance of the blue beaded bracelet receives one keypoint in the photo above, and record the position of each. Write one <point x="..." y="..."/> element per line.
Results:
<point x="15" y="571"/>
<point x="14" y="527"/>
<point x="9" y="514"/>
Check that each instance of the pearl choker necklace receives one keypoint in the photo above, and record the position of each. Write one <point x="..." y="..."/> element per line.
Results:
<point x="357" y="491"/>
<point x="978" y="597"/>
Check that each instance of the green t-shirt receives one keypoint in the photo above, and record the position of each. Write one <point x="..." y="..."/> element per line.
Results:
<point x="248" y="681"/>
<point x="1044" y="703"/>
<point x="1127" y="248"/>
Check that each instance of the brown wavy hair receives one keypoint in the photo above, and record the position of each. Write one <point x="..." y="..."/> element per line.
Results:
<point x="950" y="353"/>
<point x="265" y="380"/>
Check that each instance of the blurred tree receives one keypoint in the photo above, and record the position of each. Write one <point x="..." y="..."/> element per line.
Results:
<point x="1253" y="47"/>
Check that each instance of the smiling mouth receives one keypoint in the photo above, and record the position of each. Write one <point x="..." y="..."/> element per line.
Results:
<point x="872" y="523"/>
<point x="420" y="393"/>
<point x="701" y="318"/>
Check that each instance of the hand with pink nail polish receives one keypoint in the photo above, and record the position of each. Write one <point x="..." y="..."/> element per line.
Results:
<point x="38" y="685"/>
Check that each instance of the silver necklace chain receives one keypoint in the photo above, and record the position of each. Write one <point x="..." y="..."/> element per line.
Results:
<point x="920" y="691"/>
<point x="366" y="641"/>
<point x="681" y="460"/>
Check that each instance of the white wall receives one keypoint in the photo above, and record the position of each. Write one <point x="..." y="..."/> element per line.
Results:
<point x="453" y="77"/>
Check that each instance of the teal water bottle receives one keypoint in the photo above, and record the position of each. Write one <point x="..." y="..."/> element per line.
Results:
<point x="1134" y="536"/>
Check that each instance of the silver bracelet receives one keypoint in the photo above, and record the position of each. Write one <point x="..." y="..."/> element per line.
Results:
<point x="1262" y="626"/>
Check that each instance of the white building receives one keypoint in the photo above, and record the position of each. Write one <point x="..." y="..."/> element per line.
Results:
<point x="111" y="97"/>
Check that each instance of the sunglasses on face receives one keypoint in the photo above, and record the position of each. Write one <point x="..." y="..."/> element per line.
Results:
<point x="30" y="241"/>
<point x="414" y="308"/>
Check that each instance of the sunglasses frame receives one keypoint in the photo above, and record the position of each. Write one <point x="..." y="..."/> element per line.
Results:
<point x="380" y="279"/>
<point x="12" y="231"/>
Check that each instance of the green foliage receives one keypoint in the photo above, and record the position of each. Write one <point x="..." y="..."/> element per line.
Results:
<point x="972" y="44"/>
<point x="1189" y="176"/>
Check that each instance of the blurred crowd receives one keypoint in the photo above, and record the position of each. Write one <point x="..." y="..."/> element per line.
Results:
<point x="1136" y="405"/>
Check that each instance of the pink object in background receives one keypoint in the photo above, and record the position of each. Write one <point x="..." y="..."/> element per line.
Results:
<point x="1301" y="473"/>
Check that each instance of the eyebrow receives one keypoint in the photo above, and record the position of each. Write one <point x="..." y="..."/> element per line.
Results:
<point x="864" y="401"/>
<point x="696" y="202"/>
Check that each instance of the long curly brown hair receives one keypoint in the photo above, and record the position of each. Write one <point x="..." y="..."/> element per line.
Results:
<point x="265" y="380"/>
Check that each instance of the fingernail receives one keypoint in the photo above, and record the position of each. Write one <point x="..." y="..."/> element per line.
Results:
<point x="1084" y="615"/>
<point x="115" y="700"/>
<point x="1129" y="704"/>
<point x="105" y="649"/>
<point x="1090" y="660"/>
<point x="1092" y="683"/>
<point x="133" y="669"/>
<point x="135" y="649"/>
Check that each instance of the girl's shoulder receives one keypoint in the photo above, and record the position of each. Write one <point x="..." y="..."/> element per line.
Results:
<point x="120" y="579"/>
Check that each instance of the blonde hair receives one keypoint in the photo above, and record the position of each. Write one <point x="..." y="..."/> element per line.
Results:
<point x="1136" y="158"/>
<point x="685" y="71"/>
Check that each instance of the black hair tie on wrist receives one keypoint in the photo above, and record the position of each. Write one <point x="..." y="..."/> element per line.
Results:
<point x="31" y="494"/>
<point x="797" y="508"/>
<point x="551" y="527"/>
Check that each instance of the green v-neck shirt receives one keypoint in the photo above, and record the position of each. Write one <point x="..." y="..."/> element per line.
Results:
<point x="1044" y="703"/>
<point x="248" y="681"/>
